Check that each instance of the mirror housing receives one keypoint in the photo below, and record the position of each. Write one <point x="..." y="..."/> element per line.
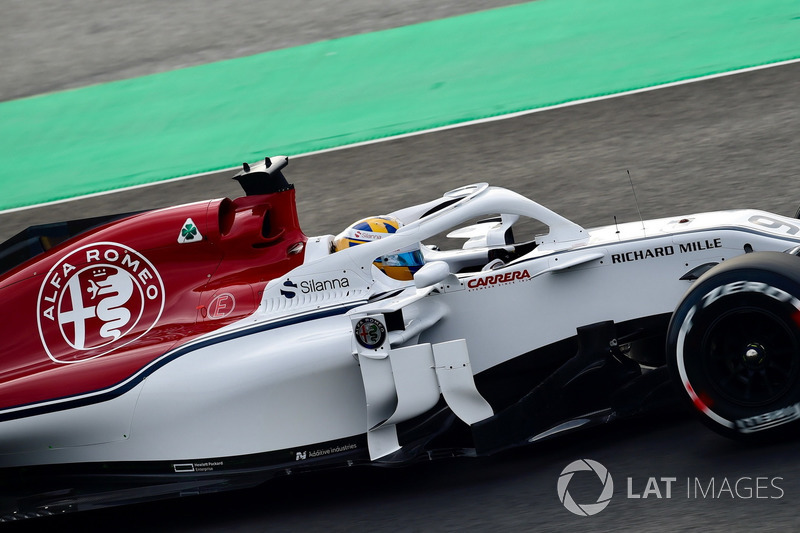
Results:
<point x="431" y="274"/>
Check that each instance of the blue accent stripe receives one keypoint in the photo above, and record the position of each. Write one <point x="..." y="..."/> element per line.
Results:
<point x="109" y="393"/>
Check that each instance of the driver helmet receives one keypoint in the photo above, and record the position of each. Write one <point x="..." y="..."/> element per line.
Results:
<point x="400" y="264"/>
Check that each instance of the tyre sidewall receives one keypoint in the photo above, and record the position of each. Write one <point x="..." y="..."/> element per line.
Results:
<point x="720" y="308"/>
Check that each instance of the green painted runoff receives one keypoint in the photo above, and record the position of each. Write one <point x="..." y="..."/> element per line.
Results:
<point x="344" y="91"/>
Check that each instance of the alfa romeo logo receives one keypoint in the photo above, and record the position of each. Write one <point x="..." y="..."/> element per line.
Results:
<point x="370" y="333"/>
<point x="586" y="509"/>
<point x="97" y="299"/>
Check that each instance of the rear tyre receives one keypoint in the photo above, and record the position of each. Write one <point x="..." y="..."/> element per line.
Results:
<point x="733" y="346"/>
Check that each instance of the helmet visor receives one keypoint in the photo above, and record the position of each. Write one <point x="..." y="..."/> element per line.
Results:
<point x="404" y="259"/>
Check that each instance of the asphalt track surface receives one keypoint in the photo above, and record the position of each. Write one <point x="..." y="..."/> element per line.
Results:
<point x="725" y="143"/>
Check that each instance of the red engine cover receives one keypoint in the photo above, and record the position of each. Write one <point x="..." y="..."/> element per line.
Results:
<point x="86" y="315"/>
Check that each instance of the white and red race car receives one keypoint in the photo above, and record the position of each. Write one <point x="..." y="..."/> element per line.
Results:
<point x="213" y="345"/>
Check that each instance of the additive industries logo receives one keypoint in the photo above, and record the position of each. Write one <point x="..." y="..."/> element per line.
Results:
<point x="97" y="299"/>
<point x="585" y="509"/>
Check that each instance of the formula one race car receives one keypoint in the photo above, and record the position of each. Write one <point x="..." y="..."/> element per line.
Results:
<point x="213" y="345"/>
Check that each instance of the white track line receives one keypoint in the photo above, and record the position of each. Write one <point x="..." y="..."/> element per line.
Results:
<point x="432" y="130"/>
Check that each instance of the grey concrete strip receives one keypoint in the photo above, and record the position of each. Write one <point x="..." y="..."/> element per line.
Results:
<point x="52" y="45"/>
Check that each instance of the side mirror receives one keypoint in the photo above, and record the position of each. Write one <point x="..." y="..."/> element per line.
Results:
<point x="431" y="274"/>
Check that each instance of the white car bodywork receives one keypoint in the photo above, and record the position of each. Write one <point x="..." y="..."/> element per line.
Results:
<point x="292" y="375"/>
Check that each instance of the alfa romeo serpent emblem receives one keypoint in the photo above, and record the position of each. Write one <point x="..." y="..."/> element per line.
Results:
<point x="370" y="333"/>
<point x="97" y="299"/>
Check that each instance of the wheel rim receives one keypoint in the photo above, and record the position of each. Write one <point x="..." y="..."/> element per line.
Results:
<point x="749" y="354"/>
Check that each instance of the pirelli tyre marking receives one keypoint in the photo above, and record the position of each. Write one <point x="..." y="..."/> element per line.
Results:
<point x="749" y="424"/>
<point x="769" y="420"/>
